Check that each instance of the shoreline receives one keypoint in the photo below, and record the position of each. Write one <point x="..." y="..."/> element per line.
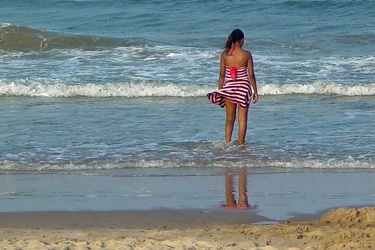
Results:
<point x="293" y="210"/>
<point x="338" y="228"/>
<point x="133" y="219"/>
<point x="276" y="195"/>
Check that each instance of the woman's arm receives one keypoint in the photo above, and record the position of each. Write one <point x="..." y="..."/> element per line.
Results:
<point x="222" y="71"/>
<point x="252" y="79"/>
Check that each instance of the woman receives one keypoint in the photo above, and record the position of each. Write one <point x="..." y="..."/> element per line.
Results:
<point x="237" y="85"/>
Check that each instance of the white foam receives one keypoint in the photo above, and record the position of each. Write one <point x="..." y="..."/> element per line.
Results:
<point x="349" y="163"/>
<point x="4" y="25"/>
<point x="317" y="88"/>
<point x="150" y="88"/>
<point x="135" y="89"/>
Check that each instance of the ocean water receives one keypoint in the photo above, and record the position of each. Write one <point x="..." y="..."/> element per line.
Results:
<point x="119" y="87"/>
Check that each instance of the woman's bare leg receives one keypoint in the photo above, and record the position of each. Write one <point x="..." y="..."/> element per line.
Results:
<point x="242" y="124"/>
<point x="230" y="109"/>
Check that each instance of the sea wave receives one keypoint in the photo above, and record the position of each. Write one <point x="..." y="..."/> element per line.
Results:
<point x="132" y="89"/>
<point x="167" y="163"/>
<point x="22" y="38"/>
<point x="40" y="88"/>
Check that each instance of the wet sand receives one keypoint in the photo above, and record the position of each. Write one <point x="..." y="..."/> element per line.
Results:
<point x="339" y="228"/>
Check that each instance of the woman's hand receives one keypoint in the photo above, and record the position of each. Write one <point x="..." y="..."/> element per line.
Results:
<point x="255" y="97"/>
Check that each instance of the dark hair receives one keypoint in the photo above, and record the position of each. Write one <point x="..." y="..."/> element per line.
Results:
<point x="235" y="36"/>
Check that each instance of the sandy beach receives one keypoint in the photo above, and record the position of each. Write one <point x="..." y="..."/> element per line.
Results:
<point x="297" y="214"/>
<point x="339" y="228"/>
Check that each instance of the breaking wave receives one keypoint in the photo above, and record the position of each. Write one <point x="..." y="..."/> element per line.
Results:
<point x="22" y="38"/>
<point x="167" y="89"/>
<point x="281" y="164"/>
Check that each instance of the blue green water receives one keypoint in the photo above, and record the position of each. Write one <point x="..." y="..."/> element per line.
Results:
<point x="102" y="86"/>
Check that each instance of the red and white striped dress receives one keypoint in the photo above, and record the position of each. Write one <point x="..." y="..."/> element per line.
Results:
<point x="236" y="88"/>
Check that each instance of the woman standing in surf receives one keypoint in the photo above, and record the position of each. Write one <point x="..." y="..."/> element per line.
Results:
<point x="236" y="86"/>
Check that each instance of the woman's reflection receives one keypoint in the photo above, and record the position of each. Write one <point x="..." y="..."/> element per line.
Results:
<point x="231" y="202"/>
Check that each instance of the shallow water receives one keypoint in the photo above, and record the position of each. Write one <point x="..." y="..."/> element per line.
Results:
<point x="274" y="193"/>
<point x="116" y="133"/>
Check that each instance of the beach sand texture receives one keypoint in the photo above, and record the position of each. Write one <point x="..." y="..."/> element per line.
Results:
<point x="340" y="228"/>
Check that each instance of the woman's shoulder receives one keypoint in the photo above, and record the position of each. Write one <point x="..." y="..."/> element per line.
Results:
<point x="224" y="52"/>
<point x="246" y="51"/>
<point x="248" y="54"/>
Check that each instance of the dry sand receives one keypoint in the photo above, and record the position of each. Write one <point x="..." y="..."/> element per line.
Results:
<point x="342" y="228"/>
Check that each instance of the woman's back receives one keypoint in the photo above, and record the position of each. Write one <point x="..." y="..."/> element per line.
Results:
<point x="235" y="57"/>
